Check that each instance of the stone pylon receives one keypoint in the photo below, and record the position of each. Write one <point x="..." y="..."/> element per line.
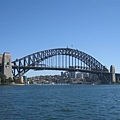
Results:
<point x="7" y="65"/>
<point x="112" y="74"/>
<point x="0" y="62"/>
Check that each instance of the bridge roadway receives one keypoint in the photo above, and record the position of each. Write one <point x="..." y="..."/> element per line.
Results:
<point x="63" y="69"/>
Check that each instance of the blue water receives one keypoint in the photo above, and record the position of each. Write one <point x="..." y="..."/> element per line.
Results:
<point x="60" y="102"/>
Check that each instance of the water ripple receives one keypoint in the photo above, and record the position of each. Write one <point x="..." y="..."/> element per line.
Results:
<point x="68" y="102"/>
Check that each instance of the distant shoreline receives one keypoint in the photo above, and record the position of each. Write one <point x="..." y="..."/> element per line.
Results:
<point x="12" y="84"/>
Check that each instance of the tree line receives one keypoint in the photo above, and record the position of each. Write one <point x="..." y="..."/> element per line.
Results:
<point x="4" y="80"/>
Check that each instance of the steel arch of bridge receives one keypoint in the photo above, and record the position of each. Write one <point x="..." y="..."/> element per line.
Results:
<point x="22" y="65"/>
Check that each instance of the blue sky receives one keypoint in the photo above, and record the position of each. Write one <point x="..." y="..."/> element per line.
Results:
<point x="92" y="26"/>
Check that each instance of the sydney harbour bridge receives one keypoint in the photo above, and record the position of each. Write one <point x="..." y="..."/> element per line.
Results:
<point x="65" y="59"/>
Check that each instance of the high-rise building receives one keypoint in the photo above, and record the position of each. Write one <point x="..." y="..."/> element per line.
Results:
<point x="72" y="74"/>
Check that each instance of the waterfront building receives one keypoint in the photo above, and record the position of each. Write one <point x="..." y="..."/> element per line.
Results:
<point x="72" y="74"/>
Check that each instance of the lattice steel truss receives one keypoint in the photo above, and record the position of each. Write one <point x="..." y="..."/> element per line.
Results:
<point x="58" y="58"/>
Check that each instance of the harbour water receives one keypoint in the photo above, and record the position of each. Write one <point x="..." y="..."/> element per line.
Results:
<point x="60" y="102"/>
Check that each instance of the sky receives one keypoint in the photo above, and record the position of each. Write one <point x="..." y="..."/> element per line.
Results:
<point x="91" y="26"/>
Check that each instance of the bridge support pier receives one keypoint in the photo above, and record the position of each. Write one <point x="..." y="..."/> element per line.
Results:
<point x="112" y="74"/>
<point x="118" y="79"/>
<point x="1" y="62"/>
<point x="7" y="65"/>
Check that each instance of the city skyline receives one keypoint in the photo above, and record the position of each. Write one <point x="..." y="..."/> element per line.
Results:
<point x="90" y="26"/>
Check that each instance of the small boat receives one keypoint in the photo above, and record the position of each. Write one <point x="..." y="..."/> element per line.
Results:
<point x="93" y="84"/>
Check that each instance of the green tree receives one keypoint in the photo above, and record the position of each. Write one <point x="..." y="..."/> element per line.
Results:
<point x="3" y="78"/>
<point x="17" y="80"/>
<point x="9" y="80"/>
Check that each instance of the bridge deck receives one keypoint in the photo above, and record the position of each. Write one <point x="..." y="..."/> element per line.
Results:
<point x="63" y="69"/>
